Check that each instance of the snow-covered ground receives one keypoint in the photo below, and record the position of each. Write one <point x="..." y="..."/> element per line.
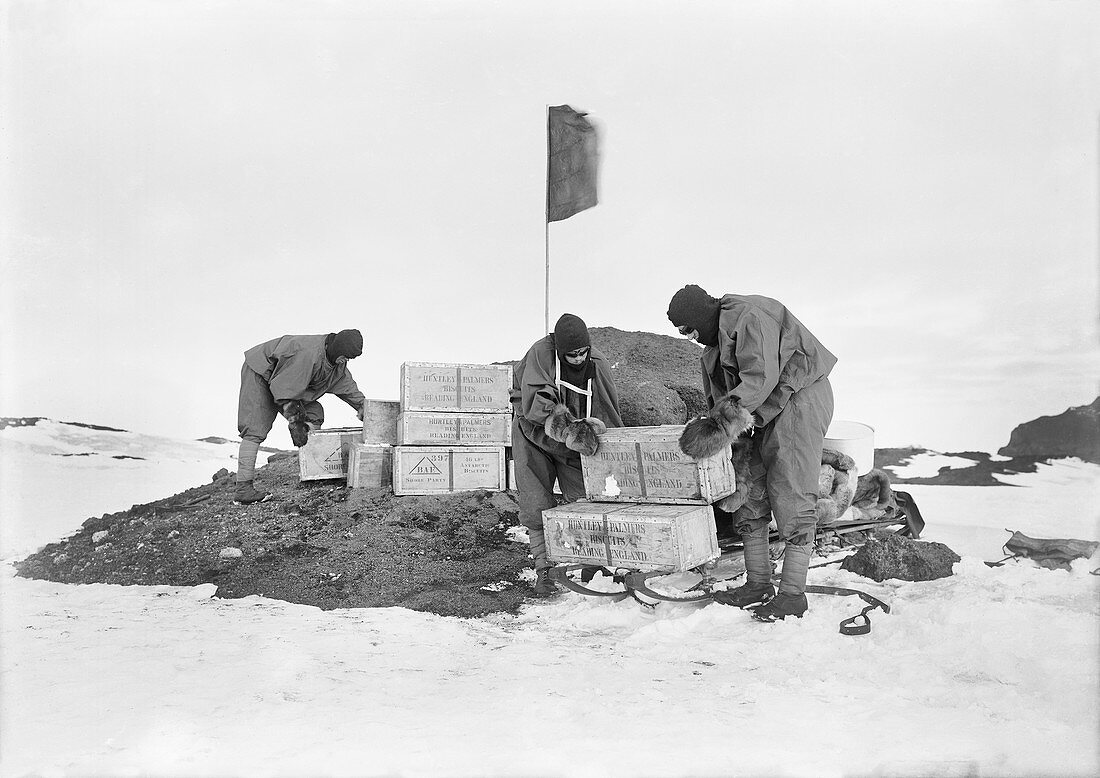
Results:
<point x="993" y="671"/>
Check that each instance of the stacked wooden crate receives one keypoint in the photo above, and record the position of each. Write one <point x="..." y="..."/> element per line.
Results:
<point x="454" y="425"/>
<point x="647" y="505"/>
<point x="361" y="455"/>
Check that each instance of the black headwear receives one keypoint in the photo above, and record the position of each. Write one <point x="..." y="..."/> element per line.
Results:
<point x="570" y="334"/>
<point x="345" y="343"/>
<point x="693" y="307"/>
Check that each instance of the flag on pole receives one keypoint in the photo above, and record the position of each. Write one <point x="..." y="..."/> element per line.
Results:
<point x="572" y="164"/>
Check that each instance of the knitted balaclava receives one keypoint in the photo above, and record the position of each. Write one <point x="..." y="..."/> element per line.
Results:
<point x="693" y="307"/>
<point x="570" y="334"/>
<point x="345" y="343"/>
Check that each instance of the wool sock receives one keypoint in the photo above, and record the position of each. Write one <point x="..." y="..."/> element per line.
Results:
<point x="246" y="460"/>
<point x="796" y="562"/>
<point x="758" y="564"/>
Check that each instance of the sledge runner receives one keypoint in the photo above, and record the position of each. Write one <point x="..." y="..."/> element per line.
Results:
<point x="563" y="396"/>
<point x="288" y="375"/>
<point x="766" y="375"/>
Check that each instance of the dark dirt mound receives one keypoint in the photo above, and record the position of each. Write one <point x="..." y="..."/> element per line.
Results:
<point x="316" y="543"/>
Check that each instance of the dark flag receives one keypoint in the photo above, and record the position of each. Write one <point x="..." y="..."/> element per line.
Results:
<point x="571" y="169"/>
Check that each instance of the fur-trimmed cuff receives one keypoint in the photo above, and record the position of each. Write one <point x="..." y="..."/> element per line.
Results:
<point x="706" y="436"/>
<point x="733" y="416"/>
<point x="558" y="422"/>
<point x="582" y="437"/>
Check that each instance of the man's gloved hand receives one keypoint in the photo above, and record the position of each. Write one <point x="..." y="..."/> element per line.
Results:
<point x="583" y="436"/>
<point x="707" y="435"/>
<point x="295" y="413"/>
<point x="558" y="422"/>
<point x="362" y="412"/>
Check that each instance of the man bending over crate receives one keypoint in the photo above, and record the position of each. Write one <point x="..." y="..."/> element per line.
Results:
<point x="288" y="375"/>
<point x="563" y="397"/>
<point x="764" y="373"/>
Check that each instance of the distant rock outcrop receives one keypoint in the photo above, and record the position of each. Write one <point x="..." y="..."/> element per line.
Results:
<point x="1074" y="433"/>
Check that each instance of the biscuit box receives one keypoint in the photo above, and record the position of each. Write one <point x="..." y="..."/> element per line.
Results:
<point x="325" y="454"/>
<point x="668" y="538"/>
<point x="446" y="469"/>
<point x="436" y="428"/>
<point x="645" y="464"/>
<point x="370" y="466"/>
<point x="380" y="422"/>
<point x="450" y="386"/>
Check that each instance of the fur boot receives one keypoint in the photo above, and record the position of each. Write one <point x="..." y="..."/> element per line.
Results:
<point x="836" y="486"/>
<point x="874" y="497"/>
<point x="706" y="436"/>
<point x="295" y="412"/>
<point x="557" y="423"/>
<point x="873" y="490"/>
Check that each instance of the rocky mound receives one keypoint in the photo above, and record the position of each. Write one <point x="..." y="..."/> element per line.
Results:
<point x="657" y="376"/>
<point x="1072" y="433"/>
<point x="316" y="543"/>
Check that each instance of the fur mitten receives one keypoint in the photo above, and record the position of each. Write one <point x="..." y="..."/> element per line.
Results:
<point x="295" y="412"/>
<point x="583" y="436"/>
<point x="836" y="486"/>
<point x="558" y="422"/>
<point x="706" y="436"/>
<point x="874" y="491"/>
<point x="742" y="451"/>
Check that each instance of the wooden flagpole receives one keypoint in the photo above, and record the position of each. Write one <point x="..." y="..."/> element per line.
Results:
<point x="546" y="223"/>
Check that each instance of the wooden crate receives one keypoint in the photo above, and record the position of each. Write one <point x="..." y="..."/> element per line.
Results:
<point x="380" y="422"/>
<point x="645" y="464"/>
<point x="326" y="453"/>
<point x="370" y="466"/>
<point x="445" y="469"/>
<point x="435" y="386"/>
<point x="670" y="538"/>
<point x="436" y="428"/>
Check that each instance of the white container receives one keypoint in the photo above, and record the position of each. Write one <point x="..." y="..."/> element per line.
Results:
<point x="855" y="439"/>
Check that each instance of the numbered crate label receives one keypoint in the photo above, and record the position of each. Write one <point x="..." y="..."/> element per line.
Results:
<point x="440" y="470"/>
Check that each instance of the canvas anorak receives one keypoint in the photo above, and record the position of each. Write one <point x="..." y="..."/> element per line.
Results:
<point x="764" y="355"/>
<point x="779" y="370"/>
<point x="539" y="459"/>
<point x="293" y="367"/>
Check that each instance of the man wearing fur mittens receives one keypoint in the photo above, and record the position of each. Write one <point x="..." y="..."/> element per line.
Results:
<point x="563" y="397"/>
<point x="288" y="375"/>
<point x="764" y="375"/>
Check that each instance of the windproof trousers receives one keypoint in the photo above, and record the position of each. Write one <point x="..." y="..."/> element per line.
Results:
<point x="257" y="409"/>
<point x="785" y="467"/>
<point x="536" y="471"/>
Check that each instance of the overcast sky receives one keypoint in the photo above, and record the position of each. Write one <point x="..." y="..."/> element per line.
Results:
<point x="916" y="181"/>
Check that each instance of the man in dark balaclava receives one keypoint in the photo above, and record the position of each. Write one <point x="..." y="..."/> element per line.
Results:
<point x="763" y="371"/>
<point x="288" y="375"/>
<point x="563" y="398"/>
